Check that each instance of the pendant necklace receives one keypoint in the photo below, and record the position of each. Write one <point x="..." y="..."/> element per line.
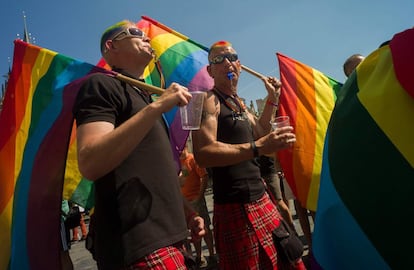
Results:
<point x="234" y="103"/>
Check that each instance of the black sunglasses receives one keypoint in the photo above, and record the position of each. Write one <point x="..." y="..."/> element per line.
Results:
<point x="218" y="59"/>
<point x="129" y="32"/>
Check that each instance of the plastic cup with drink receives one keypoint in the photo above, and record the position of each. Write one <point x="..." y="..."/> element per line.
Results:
<point x="191" y="113"/>
<point x="280" y="121"/>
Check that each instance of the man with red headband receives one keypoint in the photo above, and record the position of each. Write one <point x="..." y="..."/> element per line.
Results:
<point x="229" y="140"/>
<point x="123" y="145"/>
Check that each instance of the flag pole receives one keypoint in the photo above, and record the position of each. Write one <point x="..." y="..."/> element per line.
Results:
<point x="148" y="87"/>
<point x="251" y="71"/>
<point x="159" y="91"/>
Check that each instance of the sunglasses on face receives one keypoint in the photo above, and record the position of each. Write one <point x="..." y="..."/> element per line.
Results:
<point x="218" y="59"/>
<point x="129" y="32"/>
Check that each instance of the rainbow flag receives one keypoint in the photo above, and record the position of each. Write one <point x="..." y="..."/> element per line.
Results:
<point x="182" y="60"/>
<point x="178" y="59"/>
<point x="365" y="197"/>
<point x="35" y="129"/>
<point x="308" y="98"/>
<point x="38" y="146"/>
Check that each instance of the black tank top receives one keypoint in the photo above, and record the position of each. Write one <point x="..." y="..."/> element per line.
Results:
<point x="241" y="182"/>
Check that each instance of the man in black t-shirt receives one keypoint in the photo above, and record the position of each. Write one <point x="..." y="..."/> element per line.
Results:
<point x="123" y="146"/>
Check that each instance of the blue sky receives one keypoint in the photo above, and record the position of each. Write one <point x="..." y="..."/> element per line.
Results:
<point x="319" y="33"/>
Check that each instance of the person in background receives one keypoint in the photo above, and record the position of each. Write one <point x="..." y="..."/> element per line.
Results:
<point x="141" y="217"/>
<point x="351" y="63"/>
<point x="194" y="181"/>
<point x="228" y="142"/>
<point x="65" y="259"/>
<point x="270" y="175"/>
<point x="82" y="225"/>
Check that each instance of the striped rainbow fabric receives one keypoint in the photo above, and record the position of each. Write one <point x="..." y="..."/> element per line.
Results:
<point x="308" y="98"/>
<point x="180" y="60"/>
<point x="35" y="129"/>
<point x="37" y="140"/>
<point x="367" y="182"/>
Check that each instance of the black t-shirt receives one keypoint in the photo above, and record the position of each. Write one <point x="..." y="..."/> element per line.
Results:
<point x="241" y="182"/>
<point x="138" y="205"/>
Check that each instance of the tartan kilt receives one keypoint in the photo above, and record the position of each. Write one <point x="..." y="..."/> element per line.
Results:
<point x="166" y="258"/>
<point x="243" y="234"/>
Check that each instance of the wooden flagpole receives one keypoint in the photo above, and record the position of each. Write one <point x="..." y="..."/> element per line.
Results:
<point x="159" y="91"/>
<point x="148" y="87"/>
<point x="251" y="71"/>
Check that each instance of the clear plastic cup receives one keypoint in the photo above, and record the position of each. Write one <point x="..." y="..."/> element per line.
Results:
<point x="191" y="113"/>
<point x="280" y="121"/>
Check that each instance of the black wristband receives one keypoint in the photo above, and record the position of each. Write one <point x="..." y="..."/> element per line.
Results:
<point x="254" y="148"/>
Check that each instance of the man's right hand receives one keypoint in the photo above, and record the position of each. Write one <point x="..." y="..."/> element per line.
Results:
<point x="174" y="95"/>
<point x="280" y="138"/>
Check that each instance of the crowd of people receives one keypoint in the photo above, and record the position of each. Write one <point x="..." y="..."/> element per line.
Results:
<point x="146" y="213"/>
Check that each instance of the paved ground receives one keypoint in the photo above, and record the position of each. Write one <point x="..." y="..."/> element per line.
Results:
<point x="82" y="259"/>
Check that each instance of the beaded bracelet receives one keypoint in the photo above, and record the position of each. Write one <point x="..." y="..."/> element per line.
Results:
<point x="272" y="103"/>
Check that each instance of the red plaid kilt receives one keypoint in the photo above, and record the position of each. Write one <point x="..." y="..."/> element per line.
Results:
<point x="167" y="258"/>
<point x="243" y="234"/>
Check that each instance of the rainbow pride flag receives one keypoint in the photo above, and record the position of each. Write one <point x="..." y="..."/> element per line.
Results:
<point x="178" y="59"/>
<point x="182" y="60"/>
<point x="367" y="182"/>
<point x="35" y="128"/>
<point x="308" y="98"/>
<point x="38" y="146"/>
